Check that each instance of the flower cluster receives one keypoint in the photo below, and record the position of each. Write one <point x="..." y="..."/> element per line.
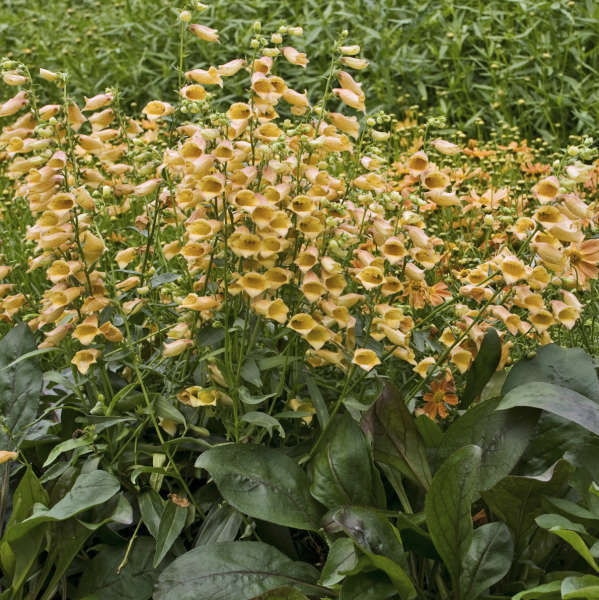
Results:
<point x="356" y="242"/>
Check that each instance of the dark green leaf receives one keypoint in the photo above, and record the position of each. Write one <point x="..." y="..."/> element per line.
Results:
<point x="232" y="571"/>
<point x="341" y="559"/>
<point x="396" y="439"/>
<point x="482" y="368"/>
<point x="264" y="483"/>
<point x="166" y="410"/>
<point x="163" y="278"/>
<point x="285" y="593"/>
<point x="488" y="559"/>
<point x="263" y="420"/>
<point x="90" y="489"/>
<point x="151" y="507"/>
<point x="101" y="579"/>
<point x="342" y="471"/>
<point x="367" y="586"/>
<point x="447" y="507"/>
<point x="517" y="500"/>
<point x="501" y="435"/>
<point x="378" y="539"/>
<point x="20" y="384"/>
<point x="430" y="431"/>
<point x="320" y="406"/>
<point x="66" y="446"/>
<point x="251" y="373"/>
<point x="172" y="521"/>
<point x="569" y="368"/>
<point x="558" y="400"/>
<point x="221" y="525"/>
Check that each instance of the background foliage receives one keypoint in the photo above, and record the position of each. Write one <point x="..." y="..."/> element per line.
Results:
<point x="531" y="63"/>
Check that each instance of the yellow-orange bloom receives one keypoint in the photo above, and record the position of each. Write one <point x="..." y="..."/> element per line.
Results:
<point x="156" y="109"/>
<point x="84" y="359"/>
<point x="253" y="284"/>
<point x="177" y="347"/>
<point x="204" y="33"/>
<point x="86" y="331"/>
<point x="547" y="189"/>
<point x="370" y="277"/>
<point x="197" y="396"/>
<point x="6" y="456"/>
<point x="93" y="247"/>
<point x="301" y="323"/>
<point x="295" y="57"/>
<point x="365" y="359"/>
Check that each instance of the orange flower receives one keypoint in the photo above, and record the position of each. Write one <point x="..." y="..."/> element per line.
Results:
<point x="583" y="258"/>
<point x="442" y="393"/>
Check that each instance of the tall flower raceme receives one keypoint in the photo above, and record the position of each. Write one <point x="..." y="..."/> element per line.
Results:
<point x="297" y="226"/>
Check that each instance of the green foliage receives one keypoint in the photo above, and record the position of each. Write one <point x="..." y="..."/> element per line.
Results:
<point x="239" y="468"/>
<point x="530" y="64"/>
<point x="540" y="541"/>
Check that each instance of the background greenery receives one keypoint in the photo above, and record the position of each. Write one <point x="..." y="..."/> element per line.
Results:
<point x="531" y="63"/>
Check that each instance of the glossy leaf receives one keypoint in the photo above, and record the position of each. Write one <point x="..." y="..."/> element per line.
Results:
<point x="558" y="400"/>
<point x="567" y="532"/>
<point x="488" y="559"/>
<point x="90" y="489"/>
<point x="378" y="539"/>
<point x="502" y="436"/>
<point x="20" y="383"/>
<point x="172" y="521"/>
<point x="482" y="368"/>
<point x="135" y="581"/>
<point x="240" y="570"/>
<point x="264" y="483"/>
<point x="367" y="586"/>
<point x="546" y="591"/>
<point x="569" y="368"/>
<point x="517" y="500"/>
<point x="342" y="471"/>
<point x="341" y="559"/>
<point x="261" y="419"/>
<point x="447" y="507"/>
<point x="584" y="587"/>
<point x="396" y="439"/>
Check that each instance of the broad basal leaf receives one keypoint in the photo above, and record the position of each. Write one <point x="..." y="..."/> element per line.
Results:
<point x="20" y="383"/>
<point x="233" y="571"/>
<point x="342" y="471"/>
<point x="569" y="368"/>
<point x="558" y="400"/>
<point x="502" y="436"/>
<point x="517" y="500"/>
<point x="482" y="368"/>
<point x="264" y="483"/>
<point x="488" y="559"/>
<point x="447" y="507"/>
<point x="378" y="539"/>
<point x="90" y="489"/>
<point x="395" y="437"/>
